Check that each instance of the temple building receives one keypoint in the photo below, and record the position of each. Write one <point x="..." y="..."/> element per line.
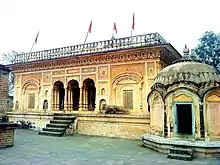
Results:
<point x="81" y="79"/>
<point x="184" y="106"/>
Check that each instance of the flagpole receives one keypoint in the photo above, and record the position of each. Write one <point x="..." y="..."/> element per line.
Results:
<point x="113" y="37"/>
<point x="32" y="46"/>
<point x="85" y="42"/>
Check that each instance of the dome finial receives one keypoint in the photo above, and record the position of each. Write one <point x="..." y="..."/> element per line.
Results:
<point x="186" y="51"/>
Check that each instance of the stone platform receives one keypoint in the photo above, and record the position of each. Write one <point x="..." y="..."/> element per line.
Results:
<point x="164" y="145"/>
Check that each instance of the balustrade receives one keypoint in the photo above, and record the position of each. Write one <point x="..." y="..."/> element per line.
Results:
<point x="101" y="46"/>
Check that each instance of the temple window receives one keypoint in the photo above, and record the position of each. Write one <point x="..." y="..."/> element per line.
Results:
<point x="103" y="91"/>
<point x="31" y="100"/>
<point x="46" y="93"/>
<point x="128" y="99"/>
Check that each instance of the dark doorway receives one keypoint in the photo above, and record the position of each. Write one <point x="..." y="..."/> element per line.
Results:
<point x="184" y="119"/>
<point x="59" y="93"/>
<point x="73" y="94"/>
<point x="89" y="93"/>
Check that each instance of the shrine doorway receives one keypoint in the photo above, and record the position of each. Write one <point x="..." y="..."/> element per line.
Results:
<point x="184" y="119"/>
<point x="89" y="94"/>
<point x="73" y="95"/>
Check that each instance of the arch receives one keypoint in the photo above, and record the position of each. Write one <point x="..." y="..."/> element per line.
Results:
<point x="45" y="104"/>
<point x="103" y="91"/>
<point x="151" y="93"/>
<point x="123" y="97"/>
<point x="89" y="94"/>
<point x="46" y="93"/>
<point x="30" y="94"/>
<point x="156" y="105"/>
<point x="212" y="112"/>
<point x="207" y="91"/>
<point x="102" y="103"/>
<point x="128" y="76"/>
<point x="180" y="89"/>
<point x="73" y="95"/>
<point x="183" y="101"/>
<point x="58" y="95"/>
<point x="31" y="82"/>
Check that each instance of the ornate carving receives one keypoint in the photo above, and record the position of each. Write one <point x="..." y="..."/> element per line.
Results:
<point x="125" y="68"/>
<point x="88" y="70"/>
<point x="182" y="97"/>
<point x="36" y="76"/>
<point x="215" y="98"/>
<point x="150" y="69"/>
<point x="47" y="77"/>
<point x="73" y="71"/>
<point x="31" y="84"/>
<point x="62" y="79"/>
<point x="77" y="78"/>
<point x="58" y="72"/>
<point x="107" y="57"/>
<point x="103" y="72"/>
<point x="91" y="76"/>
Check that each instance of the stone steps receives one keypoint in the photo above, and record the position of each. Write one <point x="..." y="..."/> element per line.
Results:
<point x="52" y="129"/>
<point x="58" y="125"/>
<point x="48" y="133"/>
<point x="61" y="121"/>
<point x="181" y="153"/>
<point x="64" y="118"/>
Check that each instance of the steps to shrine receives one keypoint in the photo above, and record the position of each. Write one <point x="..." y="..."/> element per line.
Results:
<point x="181" y="153"/>
<point x="58" y="125"/>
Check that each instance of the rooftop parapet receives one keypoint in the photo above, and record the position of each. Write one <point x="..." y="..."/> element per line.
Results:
<point x="94" y="47"/>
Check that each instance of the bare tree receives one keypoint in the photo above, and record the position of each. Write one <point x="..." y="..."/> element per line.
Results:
<point x="9" y="58"/>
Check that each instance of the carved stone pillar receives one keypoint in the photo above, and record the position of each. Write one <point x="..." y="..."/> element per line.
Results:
<point x="202" y="126"/>
<point x="66" y="100"/>
<point x="81" y="99"/>
<point x="165" y="122"/>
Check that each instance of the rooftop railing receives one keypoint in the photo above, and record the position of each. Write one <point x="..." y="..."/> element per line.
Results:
<point x="94" y="47"/>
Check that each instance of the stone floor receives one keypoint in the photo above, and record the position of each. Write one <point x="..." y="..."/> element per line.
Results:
<point x="31" y="148"/>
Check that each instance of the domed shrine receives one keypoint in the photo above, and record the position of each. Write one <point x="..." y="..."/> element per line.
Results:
<point x="184" y="104"/>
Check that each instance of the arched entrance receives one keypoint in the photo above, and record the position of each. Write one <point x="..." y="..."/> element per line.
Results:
<point x="73" y="93"/>
<point x="58" y="95"/>
<point x="89" y="94"/>
<point x="102" y="103"/>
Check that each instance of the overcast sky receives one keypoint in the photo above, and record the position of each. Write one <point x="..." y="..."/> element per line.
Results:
<point x="65" y="22"/>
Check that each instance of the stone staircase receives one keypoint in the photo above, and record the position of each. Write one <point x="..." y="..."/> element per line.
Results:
<point x="58" y="125"/>
<point x="181" y="153"/>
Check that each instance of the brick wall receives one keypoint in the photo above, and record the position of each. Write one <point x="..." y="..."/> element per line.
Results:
<point x="4" y="73"/>
<point x="6" y="138"/>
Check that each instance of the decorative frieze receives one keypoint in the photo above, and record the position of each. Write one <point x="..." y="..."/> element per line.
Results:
<point x="88" y="70"/>
<point x="73" y="71"/>
<point x="96" y="59"/>
<point x="47" y="77"/>
<point x="59" y="72"/>
<point x="125" y="68"/>
<point x="103" y="72"/>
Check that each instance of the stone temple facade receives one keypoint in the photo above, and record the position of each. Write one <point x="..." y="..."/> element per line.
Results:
<point x="80" y="79"/>
<point x="4" y="75"/>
